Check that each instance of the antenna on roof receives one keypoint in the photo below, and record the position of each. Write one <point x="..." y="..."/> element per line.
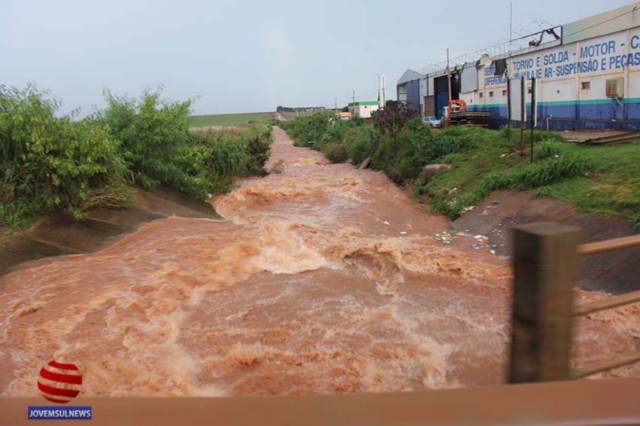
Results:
<point x="510" y="26"/>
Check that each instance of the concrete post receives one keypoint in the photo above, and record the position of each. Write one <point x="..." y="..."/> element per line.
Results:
<point x="546" y="269"/>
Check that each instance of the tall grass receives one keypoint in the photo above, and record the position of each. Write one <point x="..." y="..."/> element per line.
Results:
<point x="523" y="176"/>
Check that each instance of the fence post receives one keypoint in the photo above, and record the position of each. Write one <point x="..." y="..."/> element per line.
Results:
<point x="546" y="269"/>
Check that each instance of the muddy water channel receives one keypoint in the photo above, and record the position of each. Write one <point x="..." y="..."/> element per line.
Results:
<point x="321" y="279"/>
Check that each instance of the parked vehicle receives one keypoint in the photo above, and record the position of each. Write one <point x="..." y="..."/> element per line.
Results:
<point x="432" y="121"/>
<point x="456" y="114"/>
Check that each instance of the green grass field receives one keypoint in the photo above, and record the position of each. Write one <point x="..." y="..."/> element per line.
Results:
<point x="611" y="185"/>
<point x="228" y="119"/>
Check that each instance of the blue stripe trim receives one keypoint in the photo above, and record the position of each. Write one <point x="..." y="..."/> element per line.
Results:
<point x="585" y="115"/>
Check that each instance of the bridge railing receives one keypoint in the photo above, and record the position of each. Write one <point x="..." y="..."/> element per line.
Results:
<point x="546" y="271"/>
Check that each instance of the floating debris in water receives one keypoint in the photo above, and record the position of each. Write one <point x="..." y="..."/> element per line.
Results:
<point x="445" y="237"/>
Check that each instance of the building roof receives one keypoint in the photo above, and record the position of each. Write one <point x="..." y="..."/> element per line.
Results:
<point x="622" y="18"/>
<point x="363" y="103"/>
<point x="614" y="20"/>
<point x="410" y="75"/>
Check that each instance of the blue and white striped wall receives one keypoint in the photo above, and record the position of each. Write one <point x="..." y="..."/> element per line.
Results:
<point x="572" y="80"/>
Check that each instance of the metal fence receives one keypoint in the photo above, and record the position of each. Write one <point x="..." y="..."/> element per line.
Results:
<point x="546" y="271"/>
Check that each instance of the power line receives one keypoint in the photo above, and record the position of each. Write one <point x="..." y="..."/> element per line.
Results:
<point x="522" y="37"/>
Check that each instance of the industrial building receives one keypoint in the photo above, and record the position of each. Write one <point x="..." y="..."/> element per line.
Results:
<point x="587" y="75"/>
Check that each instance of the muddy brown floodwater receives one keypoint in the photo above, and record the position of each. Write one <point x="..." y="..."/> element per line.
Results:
<point x="321" y="279"/>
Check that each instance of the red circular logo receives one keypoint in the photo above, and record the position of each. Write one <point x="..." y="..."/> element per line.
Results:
<point x="59" y="382"/>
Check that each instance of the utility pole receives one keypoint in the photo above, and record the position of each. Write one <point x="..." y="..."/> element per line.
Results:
<point x="533" y="112"/>
<point x="448" y="75"/>
<point x="508" y="75"/>
<point x="354" y="103"/>
<point x="523" y="94"/>
<point x="509" y="109"/>
<point x="510" y="26"/>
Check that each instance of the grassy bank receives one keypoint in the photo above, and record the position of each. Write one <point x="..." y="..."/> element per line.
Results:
<point x="228" y="119"/>
<point x="50" y="163"/>
<point x="596" y="179"/>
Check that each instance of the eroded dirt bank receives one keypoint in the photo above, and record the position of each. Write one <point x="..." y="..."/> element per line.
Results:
<point x="59" y="234"/>
<point x="613" y="272"/>
<point x="321" y="279"/>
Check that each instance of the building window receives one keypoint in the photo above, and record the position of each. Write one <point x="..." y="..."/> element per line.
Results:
<point x="504" y="93"/>
<point x="529" y="90"/>
<point x="615" y="87"/>
<point x="491" y="94"/>
<point x="481" y="94"/>
<point x="586" y="85"/>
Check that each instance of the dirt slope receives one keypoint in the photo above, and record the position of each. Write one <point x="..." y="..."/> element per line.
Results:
<point x="60" y="234"/>
<point x="614" y="272"/>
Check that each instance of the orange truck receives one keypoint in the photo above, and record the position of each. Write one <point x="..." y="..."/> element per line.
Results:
<point x="456" y="114"/>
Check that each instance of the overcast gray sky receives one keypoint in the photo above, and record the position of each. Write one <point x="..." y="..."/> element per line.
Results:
<point x="246" y="56"/>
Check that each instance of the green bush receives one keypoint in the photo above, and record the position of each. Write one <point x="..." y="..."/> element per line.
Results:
<point x="360" y="143"/>
<point x="321" y="130"/>
<point x="308" y="129"/>
<point x="154" y="139"/>
<point x="337" y="153"/>
<point x="159" y="150"/>
<point x="402" y="157"/>
<point x="52" y="163"/>
<point x="49" y="163"/>
<point x="219" y="157"/>
<point x="334" y="131"/>
<point x="398" y="143"/>
<point x="258" y="140"/>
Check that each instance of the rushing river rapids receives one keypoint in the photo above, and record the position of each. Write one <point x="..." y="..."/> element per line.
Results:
<point x="321" y="279"/>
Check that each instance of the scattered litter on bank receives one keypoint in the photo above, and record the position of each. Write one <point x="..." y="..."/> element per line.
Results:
<point x="480" y="241"/>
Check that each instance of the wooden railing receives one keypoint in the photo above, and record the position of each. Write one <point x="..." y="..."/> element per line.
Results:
<point x="546" y="271"/>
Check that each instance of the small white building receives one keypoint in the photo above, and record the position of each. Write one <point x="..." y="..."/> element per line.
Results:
<point x="363" y="109"/>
